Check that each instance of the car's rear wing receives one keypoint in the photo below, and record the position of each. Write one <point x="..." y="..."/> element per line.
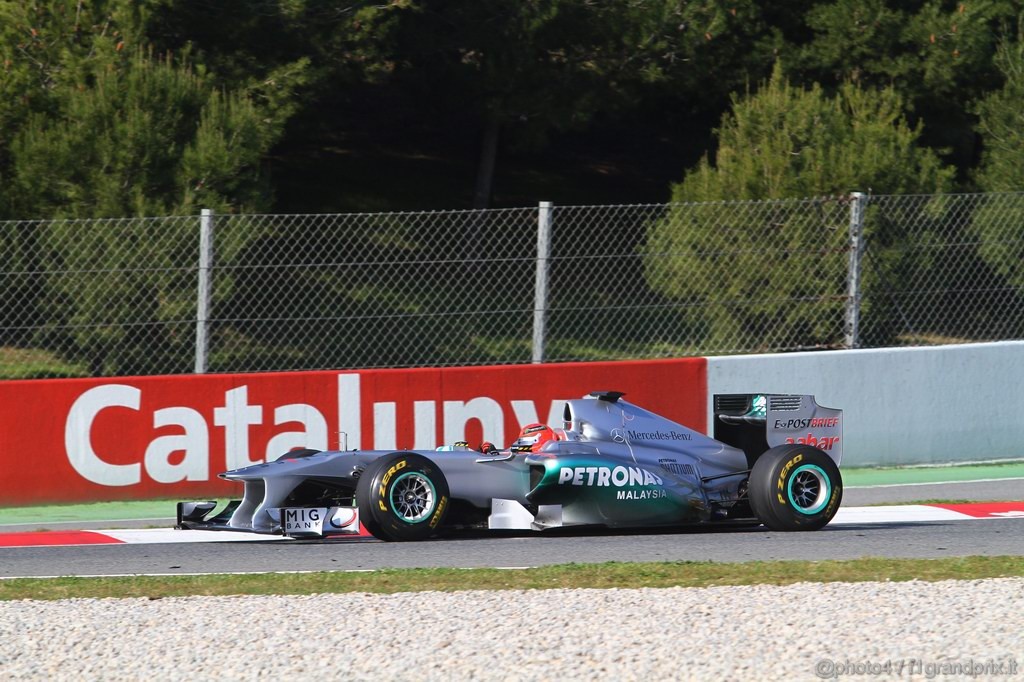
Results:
<point x="755" y="422"/>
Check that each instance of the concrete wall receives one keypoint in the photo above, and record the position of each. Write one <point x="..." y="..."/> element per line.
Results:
<point x="901" y="406"/>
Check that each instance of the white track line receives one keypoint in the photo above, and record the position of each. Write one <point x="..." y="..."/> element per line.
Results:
<point x="187" y="575"/>
<point x="895" y="514"/>
<point x="910" y="513"/>
<point x="150" y="536"/>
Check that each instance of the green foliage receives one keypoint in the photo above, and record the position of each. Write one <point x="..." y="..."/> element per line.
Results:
<point x="925" y="280"/>
<point x="787" y="141"/>
<point x="46" y="48"/>
<point x="524" y="70"/>
<point x="20" y="363"/>
<point x="937" y="47"/>
<point x="116" y="133"/>
<point x="999" y="221"/>
<point x="370" y="290"/>
<point x="119" y="296"/>
<point x="747" y="280"/>
<point x="1001" y="124"/>
<point x="150" y="138"/>
<point x="84" y="100"/>
<point x="937" y="55"/>
<point x="854" y="40"/>
<point x="116" y="108"/>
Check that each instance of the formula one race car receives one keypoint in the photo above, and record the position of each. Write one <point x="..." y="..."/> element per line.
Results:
<point x="774" y="460"/>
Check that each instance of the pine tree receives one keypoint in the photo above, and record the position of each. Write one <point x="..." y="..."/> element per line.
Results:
<point x="781" y="142"/>
<point x="998" y="220"/>
<point x="95" y="124"/>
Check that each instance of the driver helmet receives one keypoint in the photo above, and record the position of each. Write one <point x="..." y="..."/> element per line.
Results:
<point x="534" y="437"/>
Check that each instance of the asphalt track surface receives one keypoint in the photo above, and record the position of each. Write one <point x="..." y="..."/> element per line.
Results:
<point x="1002" y="490"/>
<point x="898" y="540"/>
<point x="990" y="537"/>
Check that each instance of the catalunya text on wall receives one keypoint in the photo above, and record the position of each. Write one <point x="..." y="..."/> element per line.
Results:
<point x="123" y="438"/>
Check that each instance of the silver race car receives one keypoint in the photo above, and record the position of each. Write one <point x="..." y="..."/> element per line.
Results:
<point x="774" y="459"/>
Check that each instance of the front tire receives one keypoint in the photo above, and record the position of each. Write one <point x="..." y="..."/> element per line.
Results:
<point x="795" y="487"/>
<point x="402" y="496"/>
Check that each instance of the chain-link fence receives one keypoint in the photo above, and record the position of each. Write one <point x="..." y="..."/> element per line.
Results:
<point x="98" y="297"/>
<point x="287" y="292"/>
<point x="943" y="269"/>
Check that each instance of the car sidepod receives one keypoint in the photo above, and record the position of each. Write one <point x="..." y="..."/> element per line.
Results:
<point x="599" y="490"/>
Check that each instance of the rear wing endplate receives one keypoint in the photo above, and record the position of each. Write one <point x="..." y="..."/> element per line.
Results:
<point x="755" y="422"/>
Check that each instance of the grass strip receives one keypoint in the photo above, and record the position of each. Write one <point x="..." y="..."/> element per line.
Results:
<point x="872" y="476"/>
<point x="606" y="575"/>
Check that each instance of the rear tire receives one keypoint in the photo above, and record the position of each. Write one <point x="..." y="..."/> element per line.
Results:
<point x="402" y="496"/>
<point x="795" y="487"/>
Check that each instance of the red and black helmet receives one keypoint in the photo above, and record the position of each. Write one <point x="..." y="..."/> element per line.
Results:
<point x="534" y="437"/>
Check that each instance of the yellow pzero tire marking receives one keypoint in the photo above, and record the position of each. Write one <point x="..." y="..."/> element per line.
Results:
<point x="436" y="518"/>
<point x="835" y="496"/>
<point x="781" y="483"/>
<point x="387" y="477"/>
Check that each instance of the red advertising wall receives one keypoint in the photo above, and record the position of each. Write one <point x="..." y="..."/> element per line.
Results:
<point x="122" y="438"/>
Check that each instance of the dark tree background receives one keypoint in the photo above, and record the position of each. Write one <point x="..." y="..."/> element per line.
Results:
<point x="122" y="108"/>
<point x="409" y="104"/>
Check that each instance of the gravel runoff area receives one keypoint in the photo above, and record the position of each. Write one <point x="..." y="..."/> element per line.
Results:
<point x="806" y="631"/>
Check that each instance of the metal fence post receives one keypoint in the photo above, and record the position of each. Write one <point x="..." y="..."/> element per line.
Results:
<point x="540" y="304"/>
<point x="203" y="302"/>
<point x="858" y="202"/>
